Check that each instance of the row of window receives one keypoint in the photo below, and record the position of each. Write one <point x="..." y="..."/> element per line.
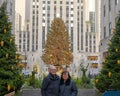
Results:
<point x="55" y="2"/>
<point x="67" y="8"/>
<point x="104" y="14"/>
<point x="109" y="7"/>
<point x="36" y="0"/>
<point x="110" y="30"/>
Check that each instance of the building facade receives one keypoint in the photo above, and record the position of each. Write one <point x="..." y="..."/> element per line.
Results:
<point x="109" y="12"/>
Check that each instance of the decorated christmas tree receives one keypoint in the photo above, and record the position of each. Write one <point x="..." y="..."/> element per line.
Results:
<point x="109" y="78"/>
<point x="10" y="78"/>
<point x="57" y="47"/>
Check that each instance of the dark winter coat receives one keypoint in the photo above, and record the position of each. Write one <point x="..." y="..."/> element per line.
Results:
<point x="68" y="88"/>
<point x="50" y="86"/>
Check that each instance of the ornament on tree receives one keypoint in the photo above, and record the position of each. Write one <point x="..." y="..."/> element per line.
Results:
<point x="9" y="26"/>
<point x="10" y="40"/>
<point x="8" y="87"/>
<point x="51" y="55"/>
<point x="12" y="67"/>
<point x="67" y="53"/>
<point x="110" y="43"/>
<point x="5" y="31"/>
<point x="16" y="56"/>
<point x="113" y="31"/>
<point x="96" y="81"/>
<point x="2" y="43"/>
<point x="7" y="55"/>
<point x="7" y="17"/>
<point x="118" y="62"/>
<point x="109" y="74"/>
<point x="116" y="49"/>
<point x="20" y="75"/>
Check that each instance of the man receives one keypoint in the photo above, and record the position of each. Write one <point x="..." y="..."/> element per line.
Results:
<point x="50" y="84"/>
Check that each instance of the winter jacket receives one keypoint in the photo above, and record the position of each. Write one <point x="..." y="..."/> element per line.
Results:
<point x="68" y="88"/>
<point x="50" y="85"/>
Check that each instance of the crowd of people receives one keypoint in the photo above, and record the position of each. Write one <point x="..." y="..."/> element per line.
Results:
<point x="54" y="85"/>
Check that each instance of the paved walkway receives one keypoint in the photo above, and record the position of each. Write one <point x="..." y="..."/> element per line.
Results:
<point x="81" y="92"/>
<point x="31" y="92"/>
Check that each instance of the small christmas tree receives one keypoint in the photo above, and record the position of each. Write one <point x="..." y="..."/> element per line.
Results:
<point x="57" y="48"/>
<point x="110" y="74"/>
<point x="10" y="78"/>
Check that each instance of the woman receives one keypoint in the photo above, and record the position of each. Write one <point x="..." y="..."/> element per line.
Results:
<point x="67" y="86"/>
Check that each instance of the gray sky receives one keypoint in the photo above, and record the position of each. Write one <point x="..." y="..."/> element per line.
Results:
<point x="91" y="5"/>
<point x="20" y="8"/>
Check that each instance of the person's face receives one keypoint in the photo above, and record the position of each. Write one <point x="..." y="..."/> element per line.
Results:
<point x="53" y="71"/>
<point x="65" y="76"/>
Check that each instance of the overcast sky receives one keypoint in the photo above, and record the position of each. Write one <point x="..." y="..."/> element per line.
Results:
<point x="92" y="5"/>
<point x="20" y="8"/>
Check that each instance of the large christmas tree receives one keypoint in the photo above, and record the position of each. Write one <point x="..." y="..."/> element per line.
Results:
<point x="10" y="78"/>
<point x="57" y="47"/>
<point x="110" y="73"/>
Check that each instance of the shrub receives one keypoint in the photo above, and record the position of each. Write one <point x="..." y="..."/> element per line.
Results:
<point x="32" y="81"/>
<point x="83" y="84"/>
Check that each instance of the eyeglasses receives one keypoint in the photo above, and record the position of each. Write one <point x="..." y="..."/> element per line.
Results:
<point x="65" y="73"/>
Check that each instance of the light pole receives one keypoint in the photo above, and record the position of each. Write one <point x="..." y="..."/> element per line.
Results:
<point x="25" y="56"/>
<point x="25" y="61"/>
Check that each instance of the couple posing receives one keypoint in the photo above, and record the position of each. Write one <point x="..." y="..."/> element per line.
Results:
<point x="53" y="85"/>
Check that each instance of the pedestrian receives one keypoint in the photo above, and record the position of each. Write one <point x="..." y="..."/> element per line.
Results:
<point x="67" y="85"/>
<point x="50" y="84"/>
